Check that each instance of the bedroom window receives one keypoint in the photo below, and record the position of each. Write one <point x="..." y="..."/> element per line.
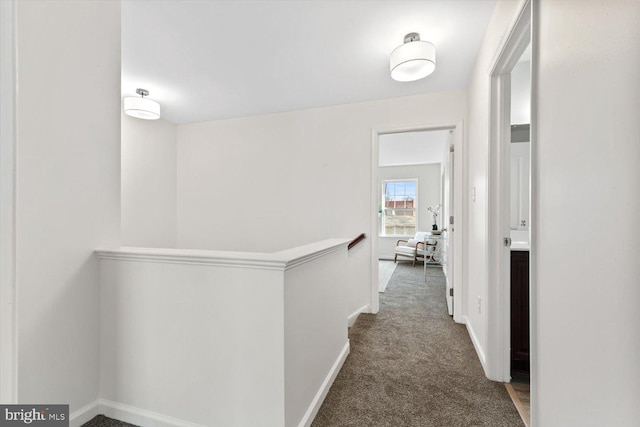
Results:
<point x="400" y="207"/>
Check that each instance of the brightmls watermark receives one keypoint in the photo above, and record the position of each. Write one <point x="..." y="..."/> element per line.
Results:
<point x="35" y="415"/>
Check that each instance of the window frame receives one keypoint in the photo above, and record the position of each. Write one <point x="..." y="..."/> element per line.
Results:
<point x="381" y="229"/>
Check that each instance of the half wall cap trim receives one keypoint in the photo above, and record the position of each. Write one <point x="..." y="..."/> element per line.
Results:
<point x="283" y="260"/>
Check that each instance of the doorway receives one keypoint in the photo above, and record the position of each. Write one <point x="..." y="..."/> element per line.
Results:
<point x="385" y="228"/>
<point x="410" y="170"/>
<point x="519" y="206"/>
<point x="510" y="223"/>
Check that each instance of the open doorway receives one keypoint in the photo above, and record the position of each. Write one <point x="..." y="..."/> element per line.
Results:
<point x="519" y="206"/>
<point x="397" y="160"/>
<point x="510" y="226"/>
<point x="410" y="175"/>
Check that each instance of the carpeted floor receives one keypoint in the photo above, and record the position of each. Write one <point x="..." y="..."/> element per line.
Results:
<point x="411" y="365"/>
<point x="102" y="421"/>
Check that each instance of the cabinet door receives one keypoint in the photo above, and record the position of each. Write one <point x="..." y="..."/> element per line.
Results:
<point x="520" y="311"/>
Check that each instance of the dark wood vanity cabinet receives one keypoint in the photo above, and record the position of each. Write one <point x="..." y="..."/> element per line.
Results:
<point x="520" y="312"/>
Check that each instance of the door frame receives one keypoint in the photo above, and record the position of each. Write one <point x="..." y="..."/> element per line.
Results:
<point x="459" y="209"/>
<point x="8" y="288"/>
<point x="498" y="363"/>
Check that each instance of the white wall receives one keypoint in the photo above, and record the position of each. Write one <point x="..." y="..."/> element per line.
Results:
<point x="587" y="151"/>
<point x="148" y="183"/>
<point x="8" y="295"/>
<point x="429" y="189"/>
<point x="521" y="93"/>
<point x="270" y="182"/>
<point x="191" y="337"/>
<point x="411" y="148"/>
<point x="315" y="333"/>
<point x="475" y="259"/>
<point x="183" y="340"/>
<point x="68" y="191"/>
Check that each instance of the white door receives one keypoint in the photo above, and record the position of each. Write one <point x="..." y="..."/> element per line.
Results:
<point x="447" y="261"/>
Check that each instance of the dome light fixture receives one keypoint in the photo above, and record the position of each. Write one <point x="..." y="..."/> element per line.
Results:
<point x="142" y="108"/>
<point x="413" y="60"/>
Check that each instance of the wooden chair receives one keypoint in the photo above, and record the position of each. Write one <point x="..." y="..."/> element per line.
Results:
<point x="413" y="248"/>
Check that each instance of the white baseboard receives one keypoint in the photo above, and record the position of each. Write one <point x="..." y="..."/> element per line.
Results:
<point x="145" y="418"/>
<point x="476" y="344"/>
<point x="324" y="388"/>
<point x="84" y="414"/>
<point x="129" y="414"/>
<point x="354" y="316"/>
<point x="141" y="417"/>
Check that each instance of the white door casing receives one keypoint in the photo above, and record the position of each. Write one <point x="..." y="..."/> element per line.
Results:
<point x="498" y="253"/>
<point x="447" y="214"/>
<point x="457" y="191"/>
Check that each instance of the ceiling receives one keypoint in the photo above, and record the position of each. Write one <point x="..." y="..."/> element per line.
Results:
<point x="208" y="60"/>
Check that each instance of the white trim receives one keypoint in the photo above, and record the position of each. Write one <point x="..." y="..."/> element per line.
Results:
<point x="283" y="260"/>
<point x="459" y="206"/>
<point x="459" y="229"/>
<point x="497" y="295"/>
<point x="374" y="298"/>
<point x="351" y="320"/>
<point x="399" y="165"/>
<point x="498" y="292"/>
<point x="244" y="260"/>
<point x="140" y="417"/>
<point x="533" y="220"/>
<point x="504" y="40"/>
<point x="316" y="403"/>
<point x="84" y="414"/>
<point x="476" y="344"/>
<point x="8" y="284"/>
<point x="143" y="417"/>
<point x="301" y="255"/>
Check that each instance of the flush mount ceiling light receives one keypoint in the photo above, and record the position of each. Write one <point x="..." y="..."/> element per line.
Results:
<point x="142" y="108"/>
<point x="413" y="60"/>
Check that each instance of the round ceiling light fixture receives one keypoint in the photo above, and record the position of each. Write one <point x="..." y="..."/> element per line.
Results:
<point x="142" y="108"/>
<point x="413" y="60"/>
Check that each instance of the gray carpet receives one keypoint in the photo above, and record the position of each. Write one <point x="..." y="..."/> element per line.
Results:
<point x="411" y="365"/>
<point x="102" y="421"/>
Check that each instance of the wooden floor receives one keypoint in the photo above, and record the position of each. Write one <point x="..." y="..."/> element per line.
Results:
<point x="520" y="395"/>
